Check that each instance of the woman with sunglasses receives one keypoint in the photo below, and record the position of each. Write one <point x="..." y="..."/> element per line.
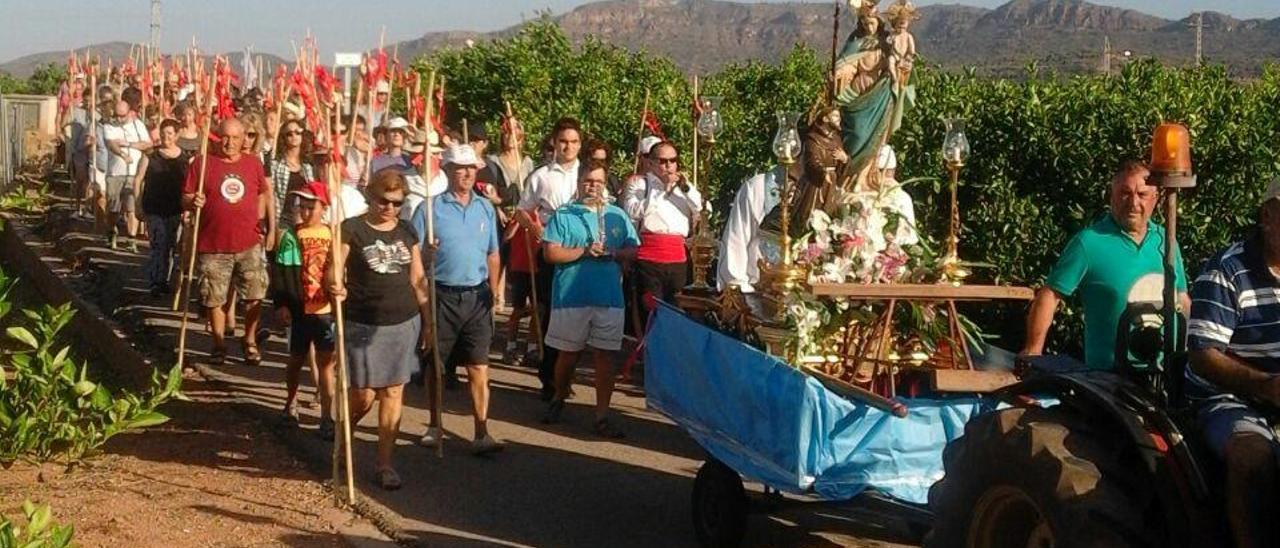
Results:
<point x="290" y="169"/>
<point x="189" y="132"/>
<point x="384" y="331"/>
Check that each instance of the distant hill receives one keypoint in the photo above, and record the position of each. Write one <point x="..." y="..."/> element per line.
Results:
<point x="702" y="35"/>
<point x="1067" y="35"/>
<point x="22" y="67"/>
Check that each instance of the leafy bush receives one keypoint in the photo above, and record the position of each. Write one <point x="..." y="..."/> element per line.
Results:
<point x="1044" y="146"/>
<point x="49" y="410"/>
<point x="40" y="532"/>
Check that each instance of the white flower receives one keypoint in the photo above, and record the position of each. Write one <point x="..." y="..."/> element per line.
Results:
<point x="819" y="221"/>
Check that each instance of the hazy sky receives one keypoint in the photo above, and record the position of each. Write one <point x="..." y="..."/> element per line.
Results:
<point x="31" y="26"/>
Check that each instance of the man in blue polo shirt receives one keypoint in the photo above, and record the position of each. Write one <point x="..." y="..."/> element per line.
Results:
<point x="1234" y="340"/>
<point x="1104" y="263"/>
<point x="465" y="258"/>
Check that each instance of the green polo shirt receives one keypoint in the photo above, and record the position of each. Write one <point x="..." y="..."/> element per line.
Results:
<point x="1102" y="263"/>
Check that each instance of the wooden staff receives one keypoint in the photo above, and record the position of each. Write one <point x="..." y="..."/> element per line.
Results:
<point x="195" y="239"/>
<point x="644" y="115"/>
<point x="337" y="263"/>
<point x="437" y="388"/>
<point x="368" y="121"/>
<point x="535" y="318"/>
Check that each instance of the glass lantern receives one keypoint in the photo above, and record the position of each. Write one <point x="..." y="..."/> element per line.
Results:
<point x="786" y="142"/>
<point x="955" y="147"/>
<point x="709" y="123"/>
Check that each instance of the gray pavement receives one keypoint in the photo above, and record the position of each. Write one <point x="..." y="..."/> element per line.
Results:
<point x="552" y="486"/>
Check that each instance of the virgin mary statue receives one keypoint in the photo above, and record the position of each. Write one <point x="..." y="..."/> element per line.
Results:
<point x="865" y="91"/>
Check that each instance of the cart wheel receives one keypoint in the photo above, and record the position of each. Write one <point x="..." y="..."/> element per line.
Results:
<point x="719" y="506"/>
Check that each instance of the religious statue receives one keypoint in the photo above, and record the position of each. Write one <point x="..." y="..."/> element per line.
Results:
<point x="824" y="159"/>
<point x="870" y="87"/>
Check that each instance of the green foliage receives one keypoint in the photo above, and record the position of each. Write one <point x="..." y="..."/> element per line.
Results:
<point x="41" y="531"/>
<point x="44" y="81"/>
<point x="49" y="410"/>
<point x="1044" y="146"/>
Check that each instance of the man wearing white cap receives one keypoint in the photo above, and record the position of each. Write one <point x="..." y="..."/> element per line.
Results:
<point x="465" y="262"/>
<point x="1235" y="361"/>
<point x="393" y="155"/>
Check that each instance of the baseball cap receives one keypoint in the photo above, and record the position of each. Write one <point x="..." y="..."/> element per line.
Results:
<point x="383" y="87"/>
<point x="647" y="143"/>
<point x="477" y="133"/>
<point x="461" y="155"/>
<point x="313" y="190"/>
<point x="1273" y="190"/>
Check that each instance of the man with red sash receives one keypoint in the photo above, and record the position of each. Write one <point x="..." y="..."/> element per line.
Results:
<point x="665" y="207"/>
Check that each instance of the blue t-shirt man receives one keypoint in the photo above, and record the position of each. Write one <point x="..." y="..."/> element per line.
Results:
<point x="466" y="235"/>
<point x="589" y="281"/>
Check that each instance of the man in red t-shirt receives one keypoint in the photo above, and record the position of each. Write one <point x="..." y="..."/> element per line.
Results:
<point x="229" y="248"/>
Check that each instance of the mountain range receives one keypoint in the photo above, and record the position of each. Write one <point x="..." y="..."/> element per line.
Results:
<point x="1065" y="35"/>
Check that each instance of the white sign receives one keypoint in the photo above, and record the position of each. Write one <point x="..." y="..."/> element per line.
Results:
<point x="346" y="59"/>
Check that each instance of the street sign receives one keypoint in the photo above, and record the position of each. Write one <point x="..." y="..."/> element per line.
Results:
<point x="346" y="59"/>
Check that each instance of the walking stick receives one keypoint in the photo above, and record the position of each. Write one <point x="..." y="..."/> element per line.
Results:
<point x="337" y="262"/>
<point x="535" y="319"/>
<point x="644" y="114"/>
<point x="437" y="390"/>
<point x="195" y="235"/>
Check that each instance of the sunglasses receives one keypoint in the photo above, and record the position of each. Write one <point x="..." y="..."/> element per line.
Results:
<point x="668" y="160"/>
<point x="385" y="202"/>
<point x="295" y="133"/>
<point x="251" y="135"/>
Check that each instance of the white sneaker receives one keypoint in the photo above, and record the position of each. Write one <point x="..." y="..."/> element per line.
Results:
<point x="486" y="445"/>
<point x="433" y="437"/>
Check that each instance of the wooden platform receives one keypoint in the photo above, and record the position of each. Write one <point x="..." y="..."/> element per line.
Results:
<point x="923" y="292"/>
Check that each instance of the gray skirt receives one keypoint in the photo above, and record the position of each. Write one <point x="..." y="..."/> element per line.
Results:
<point x="382" y="355"/>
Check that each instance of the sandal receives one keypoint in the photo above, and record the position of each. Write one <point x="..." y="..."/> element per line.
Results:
<point x="606" y="429"/>
<point x="388" y="479"/>
<point x="553" y="412"/>
<point x="252" y="356"/>
<point x="217" y="356"/>
<point x="326" y="430"/>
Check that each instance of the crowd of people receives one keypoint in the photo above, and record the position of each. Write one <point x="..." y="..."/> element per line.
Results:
<point x="560" y="240"/>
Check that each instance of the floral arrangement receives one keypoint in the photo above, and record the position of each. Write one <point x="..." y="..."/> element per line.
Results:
<point x="869" y="239"/>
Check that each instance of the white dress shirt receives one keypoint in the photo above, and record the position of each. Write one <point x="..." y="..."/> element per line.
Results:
<point x="657" y="211"/>
<point x="548" y="188"/>
<point x="740" y="243"/>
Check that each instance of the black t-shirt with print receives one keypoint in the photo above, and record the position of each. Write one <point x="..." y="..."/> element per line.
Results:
<point x="377" y="279"/>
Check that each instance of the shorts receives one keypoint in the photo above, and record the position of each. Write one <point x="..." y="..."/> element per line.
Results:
<point x="309" y="329"/>
<point x="120" y="194"/>
<point x="1221" y="417"/>
<point x="217" y="271"/>
<point x="519" y="289"/>
<point x="464" y="324"/>
<point x="573" y="329"/>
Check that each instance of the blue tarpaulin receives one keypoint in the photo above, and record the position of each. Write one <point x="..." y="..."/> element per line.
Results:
<point x="776" y="425"/>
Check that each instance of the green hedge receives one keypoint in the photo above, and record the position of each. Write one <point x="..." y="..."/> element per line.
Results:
<point x="1044" y="146"/>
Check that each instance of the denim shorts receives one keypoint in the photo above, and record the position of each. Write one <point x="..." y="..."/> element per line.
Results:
<point x="309" y="329"/>
<point x="1223" y="416"/>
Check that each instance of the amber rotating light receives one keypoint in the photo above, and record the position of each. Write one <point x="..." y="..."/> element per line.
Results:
<point x="1171" y="171"/>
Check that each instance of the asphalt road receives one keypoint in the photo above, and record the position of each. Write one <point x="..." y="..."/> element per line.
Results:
<point x="553" y="486"/>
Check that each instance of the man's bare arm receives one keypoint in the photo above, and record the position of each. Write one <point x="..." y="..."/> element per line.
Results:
<point x="1039" y="318"/>
<point x="1234" y="375"/>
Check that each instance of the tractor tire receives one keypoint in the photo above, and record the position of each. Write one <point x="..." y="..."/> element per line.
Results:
<point x="1044" y="478"/>
<point x="719" y="506"/>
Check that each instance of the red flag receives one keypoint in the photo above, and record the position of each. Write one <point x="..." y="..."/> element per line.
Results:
<point x="326" y="83"/>
<point x="651" y="124"/>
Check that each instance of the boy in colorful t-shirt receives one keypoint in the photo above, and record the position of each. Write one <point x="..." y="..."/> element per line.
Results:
<point x="301" y="301"/>
<point x="587" y="240"/>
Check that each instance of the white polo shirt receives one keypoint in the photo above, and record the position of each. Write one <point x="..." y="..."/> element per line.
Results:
<point x="550" y="187"/>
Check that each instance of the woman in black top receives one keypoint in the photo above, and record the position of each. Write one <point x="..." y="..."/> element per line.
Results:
<point x="383" y="325"/>
<point x="163" y="172"/>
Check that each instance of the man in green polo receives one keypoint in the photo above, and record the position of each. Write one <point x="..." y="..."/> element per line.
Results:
<point x="1103" y="263"/>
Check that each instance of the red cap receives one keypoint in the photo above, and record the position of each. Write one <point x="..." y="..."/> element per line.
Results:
<point x="314" y="190"/>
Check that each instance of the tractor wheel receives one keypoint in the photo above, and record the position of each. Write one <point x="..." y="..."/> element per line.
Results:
<point x="719" y="506"/>
<point x="1040" y="478"/>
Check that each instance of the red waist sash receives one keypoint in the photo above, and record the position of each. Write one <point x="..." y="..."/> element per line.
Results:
<point x="661" y="248"/>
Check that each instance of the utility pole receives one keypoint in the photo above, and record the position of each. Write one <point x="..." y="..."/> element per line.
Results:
<point x="1106" y="55"/>
<point x="1198" y="24"/>
<point x="155" y="25"/>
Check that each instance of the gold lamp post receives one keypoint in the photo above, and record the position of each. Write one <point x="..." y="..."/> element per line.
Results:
<point x="955" y="151"/>
<point x="786" y="146"/>
<point x="702" y="244"/>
